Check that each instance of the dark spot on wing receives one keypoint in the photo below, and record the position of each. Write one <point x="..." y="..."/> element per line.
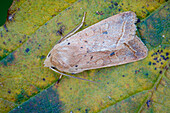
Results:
<point x="113" y="53"/>
<point x="105" y="32"/>
<point x="49" y="54"/>
<point x="68" y="43"/>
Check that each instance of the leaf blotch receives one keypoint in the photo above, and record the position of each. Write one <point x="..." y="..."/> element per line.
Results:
<point x="27" y="50"/>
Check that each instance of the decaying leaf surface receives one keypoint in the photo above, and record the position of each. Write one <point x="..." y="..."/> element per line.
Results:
<point x="143" y="84"/>
<point x="25" y="17"/>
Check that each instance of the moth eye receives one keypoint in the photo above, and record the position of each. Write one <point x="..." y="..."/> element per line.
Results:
<point x="49" y="54"/>
<point x="68" y="43"/>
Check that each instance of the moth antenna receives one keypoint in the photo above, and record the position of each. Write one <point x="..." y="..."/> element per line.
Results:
<point x="74" y="30"/>
<point x="70" y="75"/>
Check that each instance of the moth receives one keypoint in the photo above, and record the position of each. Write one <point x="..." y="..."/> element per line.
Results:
<point x="110" y="42"/>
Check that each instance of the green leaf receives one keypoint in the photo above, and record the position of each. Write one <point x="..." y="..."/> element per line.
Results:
<point x="141" y="86"/>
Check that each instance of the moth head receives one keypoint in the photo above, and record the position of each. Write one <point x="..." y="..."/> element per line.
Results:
<point x="47" y="62"/>
<point x="55" y="59"/>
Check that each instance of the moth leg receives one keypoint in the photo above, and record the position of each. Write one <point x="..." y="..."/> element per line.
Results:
<point x="59" y="79"/>
<point x="74" y="30"/>
<point x="134" y="51"/>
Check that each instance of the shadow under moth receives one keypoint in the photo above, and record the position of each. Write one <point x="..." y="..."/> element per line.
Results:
<point x="110" y="42"/>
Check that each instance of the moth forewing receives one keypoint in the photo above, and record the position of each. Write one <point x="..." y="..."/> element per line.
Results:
<point x="110" y="42"/>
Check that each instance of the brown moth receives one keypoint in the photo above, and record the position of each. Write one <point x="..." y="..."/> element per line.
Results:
<point x="110" y="42"/>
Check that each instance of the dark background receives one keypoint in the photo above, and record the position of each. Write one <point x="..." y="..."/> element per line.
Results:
<point x="4" y="6"/>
